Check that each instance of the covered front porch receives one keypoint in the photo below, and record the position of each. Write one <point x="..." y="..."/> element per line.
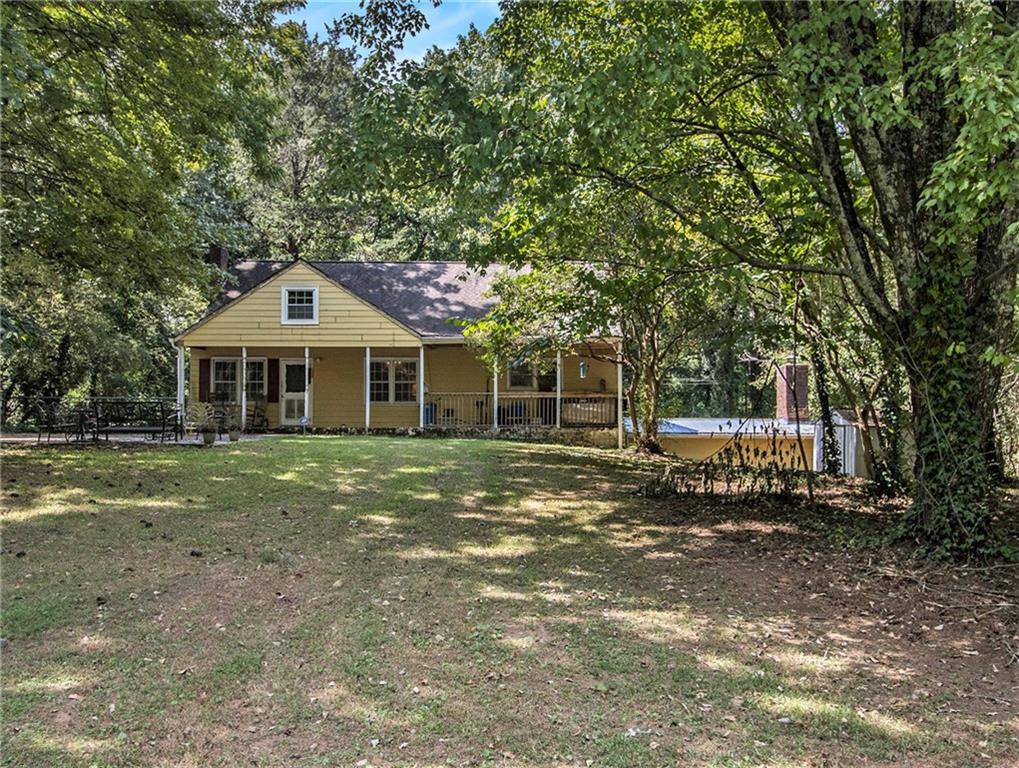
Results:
<point x="429" y="387"/>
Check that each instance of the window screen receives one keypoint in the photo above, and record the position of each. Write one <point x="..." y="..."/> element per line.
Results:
<point x="255" y="380"/>
<point x="521" y="375"/>
<point x="294" y="378"/>
<point x="224" y="381"/>
<point x="300" y="304"/>
<point x="379" y="381"/>
<point x="405" y="384"/>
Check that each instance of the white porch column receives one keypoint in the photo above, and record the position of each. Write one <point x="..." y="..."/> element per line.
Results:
<point x="421" y="387"/>
<point x="180" y="390"/>
<point x="307" y="385"/>
<point x="495" y="397"/>
<point x="180" y="384"/>
<point x="558" y="389"/>
<point x="367" y="388"/>
<point x="620" y="435"/>
<point x="244" y="388"/>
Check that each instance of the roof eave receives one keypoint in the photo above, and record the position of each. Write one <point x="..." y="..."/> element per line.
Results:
<point x="206" y="318"/>
<point x="179" y="337"/>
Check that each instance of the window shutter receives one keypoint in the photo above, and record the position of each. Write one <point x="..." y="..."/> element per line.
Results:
<point x="204" y="377"/>
<point x="273" y="383"/>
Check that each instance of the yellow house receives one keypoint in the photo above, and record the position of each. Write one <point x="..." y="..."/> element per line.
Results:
<point x="375" y="345"/>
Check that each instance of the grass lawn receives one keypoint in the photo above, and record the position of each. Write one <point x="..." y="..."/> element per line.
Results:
<point x="388" y="602"/>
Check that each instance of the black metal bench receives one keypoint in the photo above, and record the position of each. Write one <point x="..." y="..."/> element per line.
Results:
<point x="153" y="418"/>
<point x="57" y="418"/>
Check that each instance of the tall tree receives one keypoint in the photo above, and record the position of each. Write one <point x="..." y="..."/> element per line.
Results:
<point x="922" y="97"/>
<point x="292" y="210"/>
<point x="401" y="159"/>
<point x="872" y="142"/>
<point x="609" y="264"/>
<point x="108" y="109"/>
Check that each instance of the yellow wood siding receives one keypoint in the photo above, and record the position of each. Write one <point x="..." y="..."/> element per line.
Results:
<point x="344" y="320"/>
<point x="599" y="371"/>
<point x="338" y="388"/>
<point x="337" y="379"/>
<point x="337" y="384"/>
<point x="455" y="368"/>
<point x="392" y="415"/>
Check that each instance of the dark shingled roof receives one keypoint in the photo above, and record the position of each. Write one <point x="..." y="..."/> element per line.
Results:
<point x="423" y="295"/>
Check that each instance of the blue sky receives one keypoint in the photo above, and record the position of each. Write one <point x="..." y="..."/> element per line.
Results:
<point x="446" y="22"/>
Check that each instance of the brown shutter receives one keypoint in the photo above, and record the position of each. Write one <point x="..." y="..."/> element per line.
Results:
<point x="204" y="377"/>
<point x="273" y="394"/>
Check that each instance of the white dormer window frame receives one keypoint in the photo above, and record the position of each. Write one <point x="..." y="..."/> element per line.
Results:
<point x="285" y="305"/>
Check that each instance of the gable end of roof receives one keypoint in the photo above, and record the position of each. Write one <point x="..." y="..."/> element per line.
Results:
<point x="421" y="296"/>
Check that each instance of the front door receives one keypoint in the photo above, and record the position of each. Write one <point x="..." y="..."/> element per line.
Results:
<point x="292" y="383"/>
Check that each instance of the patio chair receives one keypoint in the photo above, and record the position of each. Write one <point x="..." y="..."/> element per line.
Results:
<point x="257" y="419"/>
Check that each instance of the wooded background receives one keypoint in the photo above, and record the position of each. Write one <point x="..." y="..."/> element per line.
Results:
<point x="729" y="184"/>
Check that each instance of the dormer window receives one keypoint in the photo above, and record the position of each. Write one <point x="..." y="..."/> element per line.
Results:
<point x="299" y="306"/>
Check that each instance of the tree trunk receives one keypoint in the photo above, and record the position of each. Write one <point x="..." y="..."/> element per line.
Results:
<point x="950" y="512"/>
<point x="724" y="397"/>
<point x="831" y="452"/>
<point x="633" y="399"/>
<point x="647" y="406"/>
<point x="888" y="405"/>
<point x="993" y="454"/>
<point x="57" y="387"/>
<point x="5" y="403"/>
<point x="949" y="390"/>
<point x="950" y="285"/>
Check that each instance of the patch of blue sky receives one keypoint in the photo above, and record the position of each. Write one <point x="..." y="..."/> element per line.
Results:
<point x="445" y="23"/>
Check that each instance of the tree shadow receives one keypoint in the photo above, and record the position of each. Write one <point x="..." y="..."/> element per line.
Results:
<point x="460" y="598"/>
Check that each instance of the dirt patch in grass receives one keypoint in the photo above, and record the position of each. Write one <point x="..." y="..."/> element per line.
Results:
<point x="311" y="601"/>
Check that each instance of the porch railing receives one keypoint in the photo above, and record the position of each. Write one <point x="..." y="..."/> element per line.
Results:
<point x="447" y="410"/>
<point x="597" y="410"/>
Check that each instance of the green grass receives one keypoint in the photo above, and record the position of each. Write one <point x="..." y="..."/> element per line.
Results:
<point x="321" y="601"/>
<point x="239" y="666"/>
<point x="271" y="556"/>
<point x="21" y="619"/>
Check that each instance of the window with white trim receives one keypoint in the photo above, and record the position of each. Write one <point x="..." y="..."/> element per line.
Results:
<point x="379" y="382"/>
<point x="394" y="380"/>
<point x="254" y="381"/>
<point x="299" y="305"/>
<point x="224" y="381"/>
<point x="405" y="381"/>
<point x="226" y="386"/>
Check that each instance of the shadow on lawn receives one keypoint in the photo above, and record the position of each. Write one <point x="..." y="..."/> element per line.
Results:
<point x="549" y="607"/>
<point x="610" y="591"/>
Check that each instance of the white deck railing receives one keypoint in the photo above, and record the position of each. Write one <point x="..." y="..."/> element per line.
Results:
<point x="449" y="410"/>
<point x="589" y="410"/>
